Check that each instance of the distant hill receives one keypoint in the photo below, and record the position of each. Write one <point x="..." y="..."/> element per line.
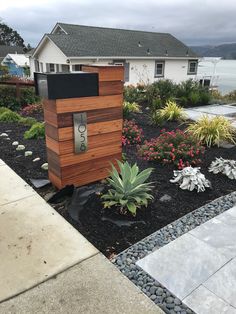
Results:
<point x="226" y="51"/>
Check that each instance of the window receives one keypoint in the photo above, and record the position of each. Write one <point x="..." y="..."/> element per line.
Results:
<point x="159" y="68"/>
<point x="76" y="67"/>
<point x="51" y="67"/>
<point x="65" y="68"/>
<point x="192" y="67"/>
<point x="36" y="65"/>
<point x="41" y="67"/>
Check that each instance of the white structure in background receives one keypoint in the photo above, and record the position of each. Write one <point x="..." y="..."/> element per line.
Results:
<point x="146" y="56"/>
<point x="206" y="78"/>
<point x="16" y="63"/>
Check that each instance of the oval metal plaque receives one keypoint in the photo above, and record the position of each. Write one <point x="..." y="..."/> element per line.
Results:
<point x="80" y="132"/>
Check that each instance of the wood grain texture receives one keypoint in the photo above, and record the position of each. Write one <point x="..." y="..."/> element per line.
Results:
<point x="66" y="119"/>
<point x="106" y="73"/>
<point x="88" y="103"/>
<point x="67" y="147"/>
<point x="110" y="88"/>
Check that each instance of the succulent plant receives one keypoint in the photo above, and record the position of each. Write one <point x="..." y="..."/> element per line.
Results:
<point x="191" y="178"/>
<point x="224" y="166"/>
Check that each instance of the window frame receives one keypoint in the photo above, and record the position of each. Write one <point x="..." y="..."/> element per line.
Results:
<point x="189" y="66"/>
<point x="162" y="62"/>
<point x="54" y="68"/>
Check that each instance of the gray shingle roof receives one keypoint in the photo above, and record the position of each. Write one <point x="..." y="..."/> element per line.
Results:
<point x="89" y="41"/>
<point x="4" y="50"/>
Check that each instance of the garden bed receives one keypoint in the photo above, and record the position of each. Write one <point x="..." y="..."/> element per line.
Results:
<point x="99" y="225"/>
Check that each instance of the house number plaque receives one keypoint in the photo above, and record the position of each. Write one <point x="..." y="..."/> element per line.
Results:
<point x="80" y="132"/>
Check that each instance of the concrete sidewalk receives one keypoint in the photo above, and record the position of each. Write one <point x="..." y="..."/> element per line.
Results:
<point x="48" y="267"/>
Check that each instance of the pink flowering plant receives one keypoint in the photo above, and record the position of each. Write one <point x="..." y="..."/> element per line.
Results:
<point x="32" y="109"/>
<point x="175" y="147"/>
<point x="131" y="134"/>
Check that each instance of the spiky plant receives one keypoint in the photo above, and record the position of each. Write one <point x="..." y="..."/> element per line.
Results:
<point x="128" y="191"/>
<point x="171" y="112"/>
<point x="211" y="131"/>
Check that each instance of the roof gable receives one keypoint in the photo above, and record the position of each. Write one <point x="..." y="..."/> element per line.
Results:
<point x="89" y="41"/>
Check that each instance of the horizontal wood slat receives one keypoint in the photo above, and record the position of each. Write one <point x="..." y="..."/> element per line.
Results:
<point x="67" y="147"/>
<point x="65" y="134"/>
<point x="88" y="103"/>
<point x="110" y="88"/>
<point x="66" y="119"/>
<point x="106" y="73"/>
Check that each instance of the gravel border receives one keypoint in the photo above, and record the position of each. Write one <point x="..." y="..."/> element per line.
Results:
<point x="126" y="260"/>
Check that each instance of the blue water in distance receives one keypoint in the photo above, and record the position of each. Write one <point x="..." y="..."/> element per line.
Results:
<point x="225" y="74"/>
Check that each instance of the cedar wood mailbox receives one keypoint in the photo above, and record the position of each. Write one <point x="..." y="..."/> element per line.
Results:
<point x="83" y="123"/>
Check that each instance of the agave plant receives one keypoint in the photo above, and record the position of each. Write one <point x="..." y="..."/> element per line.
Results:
<point x="191" y="178"/>
<point x="225" y="166"/>
<point x="129" y="190"/>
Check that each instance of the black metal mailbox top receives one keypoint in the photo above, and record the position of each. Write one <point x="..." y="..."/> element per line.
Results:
<point x="66" y="85"/>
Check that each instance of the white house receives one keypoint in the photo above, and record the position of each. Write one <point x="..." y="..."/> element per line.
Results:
<point x="146" y="56"/>
<point x="17" y="64"/>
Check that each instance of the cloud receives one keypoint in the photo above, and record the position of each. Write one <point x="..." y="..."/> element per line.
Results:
<point x="194" y="22"/>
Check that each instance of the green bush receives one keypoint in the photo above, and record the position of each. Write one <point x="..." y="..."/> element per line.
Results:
<point x="9" y="116"/>
<point x="171" y="112"/>
<point x="134" y="93"/>
<point x="8" y="97"/>
<point x="129" y="108"/>
<point x="129" y="191"/>
<point x="36" y="131"/>
<point x="162" y="89"/>
<point x="29" y="121"/>
<point x="4" y="109"/>
<point x="211" y="131"/>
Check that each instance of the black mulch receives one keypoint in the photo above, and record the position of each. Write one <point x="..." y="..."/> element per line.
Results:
<point x="105" y="235"/>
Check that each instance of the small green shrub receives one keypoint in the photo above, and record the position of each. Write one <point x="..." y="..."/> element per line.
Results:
<point x="134" y="93"/>
<point x="156" y="105"/>
<point x="131" y="133"/>
<point x="211" y="131"/>
<point x="29" y="121"/>
<point x="9" y="116"/>
<point x="175" y="147"/>
<point x="4" y="109"/>
<point x="162" y="89"/>
<point x="36" y="131"/>
<point x="171" y="112"/>
<point x="129" y="190"/>
<point x="129" y="108"/>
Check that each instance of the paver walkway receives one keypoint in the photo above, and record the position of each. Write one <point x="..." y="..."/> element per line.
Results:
<point x="200" y="266"/>
<point x="229" y="111"/>
<point x="49" y="267"/>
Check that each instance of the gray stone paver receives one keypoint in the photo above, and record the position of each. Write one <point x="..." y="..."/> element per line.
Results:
<point x="199" y="267"/>
<point x="183" y="264"/>
<point x="223" y="283"/>
<point x="219" y="234"/>
<point x="203" y="301"/>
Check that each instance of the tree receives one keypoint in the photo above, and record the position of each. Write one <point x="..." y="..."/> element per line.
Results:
<point x="10" y="37"/>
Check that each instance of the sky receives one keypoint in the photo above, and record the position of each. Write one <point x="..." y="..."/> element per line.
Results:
<point x="195" y="22"/>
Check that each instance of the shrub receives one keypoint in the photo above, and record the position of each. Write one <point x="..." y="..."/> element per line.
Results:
<point x="191" y="178"/>
<point x="8" y="97"/>
<point x="32" y="109"/>
<point x="174" y="147"/>
<point x="156" y="105"/>
<point x="36" y="131"/>
<point x="4" y="109"/>
<point x="171" y="112"/>
<point x="131" y="133"/>
<point x="134" y="93"/>
<point x="225" y="166"/>
<point x="129" y="107"/>
<point x="9" y="116"/>
<point x="230" y="96"/>
<point x="211" y="131"/>
<point x="162" y="89"/>
<point x="29" y="121"/>
<point x="129" y="190"/>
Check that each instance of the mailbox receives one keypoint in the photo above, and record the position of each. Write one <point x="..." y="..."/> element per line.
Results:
<point x="66" y="85"/>
<point x="83" y="124"/>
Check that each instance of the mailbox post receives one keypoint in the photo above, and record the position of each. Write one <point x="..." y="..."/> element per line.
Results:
<point x="83" y="123"/>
